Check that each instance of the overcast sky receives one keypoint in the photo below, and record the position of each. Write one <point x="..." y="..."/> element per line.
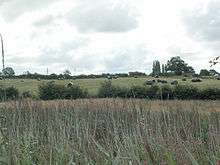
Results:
<point x="95" y="36"/>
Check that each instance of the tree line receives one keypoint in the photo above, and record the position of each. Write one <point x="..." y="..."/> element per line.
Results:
<point x="177" y="67"/>
<point x="174" y="67"/>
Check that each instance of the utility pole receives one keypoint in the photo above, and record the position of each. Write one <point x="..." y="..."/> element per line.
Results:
<point x="3" y="53"/>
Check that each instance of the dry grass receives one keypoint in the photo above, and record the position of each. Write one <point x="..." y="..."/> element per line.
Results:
<point x="110" y="131"/>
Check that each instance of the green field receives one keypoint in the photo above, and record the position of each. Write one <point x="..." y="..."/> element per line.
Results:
<point x="93" y="84"/>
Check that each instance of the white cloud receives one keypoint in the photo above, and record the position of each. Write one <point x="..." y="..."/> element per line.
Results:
<point x="102" y="16"/>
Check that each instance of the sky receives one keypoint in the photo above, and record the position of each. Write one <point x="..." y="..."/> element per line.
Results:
<point x="100" y="36"/>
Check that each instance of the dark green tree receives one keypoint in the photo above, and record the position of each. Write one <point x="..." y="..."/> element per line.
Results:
<point x="8" y="72"/>
<point x="204" y="72"/>
<point x="163" y="69"/>
<point x="156" y="68"/>
<point x="67" y="74"/>
<point x="177" y="66"/>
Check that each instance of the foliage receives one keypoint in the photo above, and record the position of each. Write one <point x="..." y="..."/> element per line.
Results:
<point x="51" y="91"/>
<point x="26" y="94"/>
<point x="138" y="92"/>
<point x="107" y="90"/>
<point x="186" y="92"/>
<point x="156" y="68"/>
<point x="210" y="94"/>
<point x="8" y="72"/>
<point x="204" y="72"/>
<point x="166" y="92"/>
<point x="178" y="66"/>
<point x="10" y="93"/>
<point x="75" y="92"/>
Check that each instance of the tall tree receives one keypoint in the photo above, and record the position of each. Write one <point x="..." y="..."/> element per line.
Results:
<point x="177" y="66"/>
<point x="163" y="69"/>
<point x="156" y="68"/>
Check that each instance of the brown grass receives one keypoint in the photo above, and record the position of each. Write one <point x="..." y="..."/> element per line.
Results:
<point x="110" y="131"/>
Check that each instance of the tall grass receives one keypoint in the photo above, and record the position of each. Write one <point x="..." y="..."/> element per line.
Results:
<point x="109" y="131"/>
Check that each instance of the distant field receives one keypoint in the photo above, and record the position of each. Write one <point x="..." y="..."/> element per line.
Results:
<point x="93" y="84"/>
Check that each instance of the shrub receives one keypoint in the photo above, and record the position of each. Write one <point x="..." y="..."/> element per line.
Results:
<point x="75" y="92"/>
<point x="210" y="94"/>
<point x="153" y="92"/>
<point x="2" y="94"/>
<point x="166" y="92"/>
<point x="10" y="93"/>
<point x="107" y="90"/>
<point x="186" y="92"/>
<point x="138" y="92"/>
<point x="26" y="94"/>
<point x="51" y="91"/>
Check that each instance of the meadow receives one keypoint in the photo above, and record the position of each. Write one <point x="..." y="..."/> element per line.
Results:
<point x="110" y="131"/>
<point x="93" y="84"/>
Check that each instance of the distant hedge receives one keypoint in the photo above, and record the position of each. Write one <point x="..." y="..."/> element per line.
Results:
<point x="180" y="92"/>
<point x="52" y="91"/>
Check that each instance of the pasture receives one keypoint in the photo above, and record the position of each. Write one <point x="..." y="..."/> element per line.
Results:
<point x="93" y="84"/>
<point x="110" y="131"/>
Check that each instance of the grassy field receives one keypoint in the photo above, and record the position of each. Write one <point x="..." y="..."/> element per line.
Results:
<point x="110" y="131"/>
<point x="93" y="84"/>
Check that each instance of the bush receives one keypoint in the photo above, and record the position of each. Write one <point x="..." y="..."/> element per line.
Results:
<point x="10" y="93"/>
<point x="166" y="92"/>
<point x="138" y="92"/>
<point x="210" y="94"/>
<point x="107" y="90"/>
<point x="186" y="92"/>
<point x="52" y="91"/>
<point x="26" y="94"/>
<point x="75" y="92"/>
<point x="153" y="92"/>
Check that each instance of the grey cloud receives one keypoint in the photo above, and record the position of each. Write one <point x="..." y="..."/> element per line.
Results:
<point x="12" y="9"/>
<point x="130" y="59"/>
<point x="102" y="16"/>
<point x="62" y="54"/>
<point x="204" y="25"/>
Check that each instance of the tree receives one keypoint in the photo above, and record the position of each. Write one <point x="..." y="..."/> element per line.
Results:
<point x="213" y="72"/>
<point x="163" y="69"/>
<point x="204" y="72"/>
<point x="177" y="66"/>
<point x="67" y="73"/>
<point x="8" y="71"/>
<point x="156" y="68"/>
